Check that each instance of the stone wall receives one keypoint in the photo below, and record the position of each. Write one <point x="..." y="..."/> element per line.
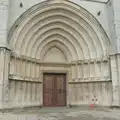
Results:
<point x="86" y="93"/>
<point x="25" y="93"/>
<point x="91" y="62"/>
<point x="85" y="80"/>
<point x="83" y="48"/>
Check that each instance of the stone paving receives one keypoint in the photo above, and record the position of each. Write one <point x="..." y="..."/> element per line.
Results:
<point x="74" y="113"/>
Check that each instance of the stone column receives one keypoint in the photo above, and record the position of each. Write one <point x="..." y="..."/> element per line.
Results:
<point x="118" y="64"/>
<point x="4" y="52"/>
<point x="4" y="8"/>
<point x="4" y="71"/>
<point x="115" y="80"/>
<point x="116" y="11"/>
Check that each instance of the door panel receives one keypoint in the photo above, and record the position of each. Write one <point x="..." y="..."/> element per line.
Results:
<point x="60" y="90"/>
<point x="48" y="90"/>
<point x="54" y="90"/>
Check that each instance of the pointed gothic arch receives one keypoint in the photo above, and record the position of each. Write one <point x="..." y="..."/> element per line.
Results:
<point x="79" y="28"/>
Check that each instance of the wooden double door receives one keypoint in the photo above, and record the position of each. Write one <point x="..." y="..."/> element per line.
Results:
<point x="54" y="90"/>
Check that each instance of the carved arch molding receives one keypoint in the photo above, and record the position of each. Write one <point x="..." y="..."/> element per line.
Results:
<point x="60" y="24"/>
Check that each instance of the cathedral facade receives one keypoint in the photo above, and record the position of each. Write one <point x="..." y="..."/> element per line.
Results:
<point x="59" y="53"/>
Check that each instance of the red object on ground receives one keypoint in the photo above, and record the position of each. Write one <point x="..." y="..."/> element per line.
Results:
<point x="92" y="106"/>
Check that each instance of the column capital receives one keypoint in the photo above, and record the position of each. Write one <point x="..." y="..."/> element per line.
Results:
<point x="5" y="49"/>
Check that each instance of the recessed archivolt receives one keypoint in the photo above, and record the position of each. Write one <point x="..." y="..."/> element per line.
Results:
<point x="59" y="38"/>
<point x="82" y="30"/>
<point x="63" y="32"/>
<point x="58" y="45"/>
<point x="78" y="26"/>
<point x="59" y="23"/>
<point x="48" y="30"/>
<point x="68" y="46"/>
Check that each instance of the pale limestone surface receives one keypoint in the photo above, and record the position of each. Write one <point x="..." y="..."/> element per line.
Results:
<point x="79" y="38"/>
